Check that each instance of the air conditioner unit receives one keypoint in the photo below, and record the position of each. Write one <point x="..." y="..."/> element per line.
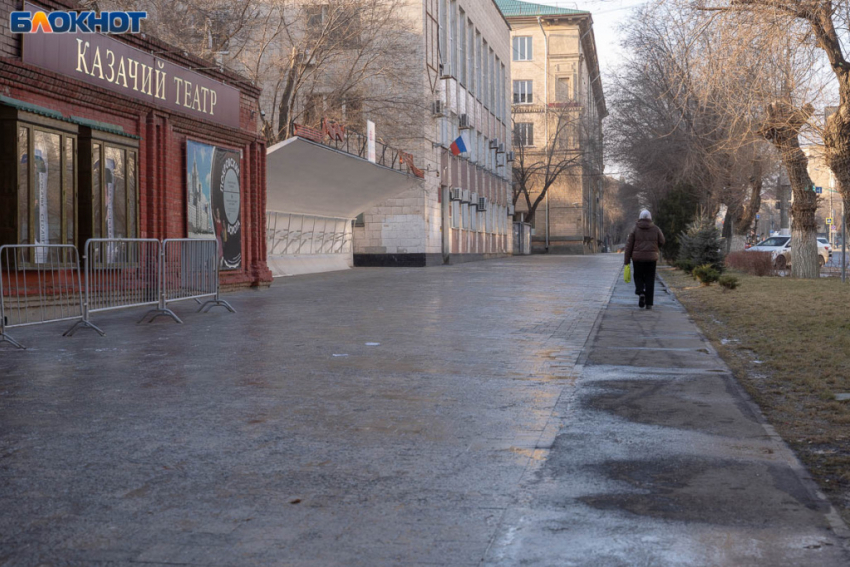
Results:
<point x="510" y="156"/>
<point x="466" y="196"/>
<point x="473" y="200"/>
<point x="510" y="210"/>
<point x="501" y="149"/>
<point x="464" y="123"/>
<point x="482" y="204"/>
<point x="494" y="144"/>
<point x="456" y="194"/>
<point x="437" y="108"/>
<point x="444" y="74"/>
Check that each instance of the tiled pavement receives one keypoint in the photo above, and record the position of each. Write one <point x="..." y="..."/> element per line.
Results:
<point x="242" y="440"/>
<point x="510" y="415"/>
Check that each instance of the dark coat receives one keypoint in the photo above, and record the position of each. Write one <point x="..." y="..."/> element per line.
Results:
<point x="644" y="242"/>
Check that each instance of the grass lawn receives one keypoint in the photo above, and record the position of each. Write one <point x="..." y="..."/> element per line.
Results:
<point x="788" y="342"/>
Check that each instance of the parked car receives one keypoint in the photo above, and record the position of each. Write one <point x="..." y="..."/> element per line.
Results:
<point x="825" y="242"/>
<point x="780" y="248"/>
<point x="783" y="259"/>
<point x="774" y="244"/>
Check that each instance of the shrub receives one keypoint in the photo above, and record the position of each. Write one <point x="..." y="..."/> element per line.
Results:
<point x="706" y="274"/>
<point x="701" y="244"/>
<point x="729" y="282"/>
<point x="753" y="263"/>
<point x="686" y="266"/>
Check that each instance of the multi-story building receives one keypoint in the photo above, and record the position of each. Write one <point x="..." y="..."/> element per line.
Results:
<point x="557" y="112"/>
<point x="460" y="211"/>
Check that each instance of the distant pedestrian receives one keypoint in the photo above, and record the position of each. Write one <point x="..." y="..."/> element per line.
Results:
<point x="642" y="249"/>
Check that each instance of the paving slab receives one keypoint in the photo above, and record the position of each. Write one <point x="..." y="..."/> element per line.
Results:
<point x="662" y="459"/>
<point x="497" y="413"/>
<point x="241" y="440"/>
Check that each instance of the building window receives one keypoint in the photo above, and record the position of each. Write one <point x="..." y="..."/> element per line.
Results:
<point x="485" y="62"/>
<point x="341" y="24"/>
<point x="461" y="48"/>
<point x="523" y="92"/>
<point x="493" y="81"/>
<point x="46" y="186"/>
<point x="114" y="191"/>
<point x="453" y="36"/>
<point x="522" y="48"/>
<point x="563" y="93"/>
<point x="470" y="56"/>
<point x="479" y="82"/>
<point x="524" y="134"/>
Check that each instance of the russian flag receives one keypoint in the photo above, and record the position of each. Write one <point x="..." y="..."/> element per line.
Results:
<point x="458" y="147"/>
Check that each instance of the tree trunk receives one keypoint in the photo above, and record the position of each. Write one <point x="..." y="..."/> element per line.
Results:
<point x="287" y="99"/>
<point x="837" y="149"/>
<point x="782" y="129"/>
<point x="748" y="214"/>
<point x="804" y="245"/>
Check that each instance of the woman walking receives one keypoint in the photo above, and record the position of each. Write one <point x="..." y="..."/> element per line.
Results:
<point x="642" y="249"/>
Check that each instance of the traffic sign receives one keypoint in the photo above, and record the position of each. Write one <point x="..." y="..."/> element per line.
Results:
<point x="758" y="216"/>
<point x="819" y="190"/>
<point x="829" y="220"/>
<point x="834" y="228"/>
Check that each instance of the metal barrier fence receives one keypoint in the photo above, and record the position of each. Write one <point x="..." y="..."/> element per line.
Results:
<point x="190" y="270"/>
<point x="43" y="283"/>
<point x="119" y="273"/>
<point x="39" y="283"/>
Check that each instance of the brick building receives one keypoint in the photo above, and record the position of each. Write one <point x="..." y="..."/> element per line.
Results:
<point x="558" y="103"/>
<point x="460" y="212"/>
<point x="99" y="135"/>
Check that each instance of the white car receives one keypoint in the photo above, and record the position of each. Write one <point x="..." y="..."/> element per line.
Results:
<point x="780" y="248"/>
<point x="825" y="242"/>
<point x="774" y="244"/>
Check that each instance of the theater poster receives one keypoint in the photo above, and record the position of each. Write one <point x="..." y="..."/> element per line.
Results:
<point x="214" y="199"/>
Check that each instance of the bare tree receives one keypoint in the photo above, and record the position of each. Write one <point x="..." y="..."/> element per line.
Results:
<point x="536" y="168"/>
<point x="340" y="59"/>
<point x="807" y="26"/>
<point x="700" y="112"/>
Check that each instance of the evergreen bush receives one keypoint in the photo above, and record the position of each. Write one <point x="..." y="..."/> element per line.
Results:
<point x="706" y="274"/>
<point x="675" y="212"/>
<point x="701" y="244"/>
<point x="729" y="282"/>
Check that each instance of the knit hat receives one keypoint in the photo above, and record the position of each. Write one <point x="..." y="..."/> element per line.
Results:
<point x="644" y="214"/>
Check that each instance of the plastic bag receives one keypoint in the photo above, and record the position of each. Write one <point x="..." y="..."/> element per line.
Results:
<point x="627" y="274"/>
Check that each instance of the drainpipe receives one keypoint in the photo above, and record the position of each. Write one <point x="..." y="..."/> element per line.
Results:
<point x="546" y="112"/>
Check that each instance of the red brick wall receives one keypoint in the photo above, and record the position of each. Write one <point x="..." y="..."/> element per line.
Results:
<point x="162" y="150"/>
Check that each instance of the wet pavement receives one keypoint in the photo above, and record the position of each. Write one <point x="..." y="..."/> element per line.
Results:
<point x="501" y="412"/>
<point x="662" y="459"/>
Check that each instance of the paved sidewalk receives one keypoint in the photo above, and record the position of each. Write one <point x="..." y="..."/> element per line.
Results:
<point x="482" y="428"/>
<point x="662" y="459"/>
<point x="241" y="439"/>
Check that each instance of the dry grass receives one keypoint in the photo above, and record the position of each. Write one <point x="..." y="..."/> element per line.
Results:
<point x="788" y="342"/>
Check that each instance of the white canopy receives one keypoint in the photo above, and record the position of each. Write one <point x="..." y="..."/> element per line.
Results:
<point x="309" y="178"/>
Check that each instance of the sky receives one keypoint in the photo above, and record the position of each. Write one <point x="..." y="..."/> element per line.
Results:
<point x="607" y="16"/>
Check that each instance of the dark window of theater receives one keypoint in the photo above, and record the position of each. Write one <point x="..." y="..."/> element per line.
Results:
<point x="38" y="200"/>
<point x="109" y="186"/>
